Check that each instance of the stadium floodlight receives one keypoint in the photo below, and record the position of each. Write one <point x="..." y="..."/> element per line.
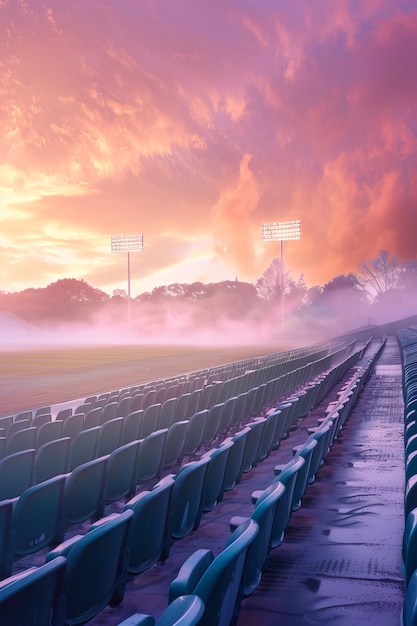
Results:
<point x="127" y="243"/>
<point x="282" y="231"/>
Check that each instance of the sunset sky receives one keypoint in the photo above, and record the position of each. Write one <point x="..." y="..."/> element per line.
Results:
<point x="192" y="122"/>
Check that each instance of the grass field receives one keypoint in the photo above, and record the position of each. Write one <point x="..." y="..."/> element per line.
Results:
<point x="38" y="377"/>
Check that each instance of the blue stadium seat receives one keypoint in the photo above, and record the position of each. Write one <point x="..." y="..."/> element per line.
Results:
<point x="96" y="569"/>
<point x="34" y="596"/>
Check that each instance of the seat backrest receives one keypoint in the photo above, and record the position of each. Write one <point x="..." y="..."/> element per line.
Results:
<point x="18" y="425"/>
<point x="38" y="517"/>
<point x="250" y="456"/>
<point x="92" y="418"/>
<point x="121" y="472"/>
<point x="409" y="610"/>
<point x="215" y="479"/>
<point x="193" y="402"/>
<point x="109" y="412"/>
<point x="151" y="457"/>
<point x="205" y="398"/>
<point x="96" y="567"/>
<point x="227" y="415"/>
<point x="150" y="420"/>
<point x="195" y="432"/>
<point x="85" y="491"/>
<point x="51" y="459"/>
<point x="149" y="537"/>
<point x="166" y="415"/>
<point x="35" y="592"/>
<point x="41" y="418"/>
<point x="83" y="447"/>
<point x="109" y="436"/>
<point x="264" y="515"/>
<point x="21" y="440"/>
<point x="212" y="423"/>
<point x="187" y="497"/>
<point x="73" y="425"/>
<point x="181" y="407"/>
<point x="48" y="432"/>
<point x="131" y="426"/>
<point x="220" y="586"/>
<point x="174" y="444"/>
<point x="123" y="405"/>
<point x="16" y="473"/>
<point x="234" y="467"/>
<point x="6" y="546"/>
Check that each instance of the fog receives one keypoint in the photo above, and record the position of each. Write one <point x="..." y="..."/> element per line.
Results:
<point x="209" y="324"/>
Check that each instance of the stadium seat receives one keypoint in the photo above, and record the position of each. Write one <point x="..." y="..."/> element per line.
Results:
<point x="217" y="581"/>
<point x="6" y="546"/>
<point x="149" y="536"/>
<point x="38" y="517"/>
<point x="73" y="425"/>
<point x="186" y="502"/>
<point x="48" y="432"/>
<point x="109" y="435"/>
<point x="183" y="611"/>
<point x="195" y="433"/>
<point x="131" y="426"/>
<point x="234" y="467"/>
<point x="85" y="491"/>
<point x="212" y="424"/>
<point x="34" y="596"/>
<point x="121" y="472"/>
<point x="24" y="439"/>
<point x="150" y="420"/>
<point x="174" y="444"/>
<point x="51" y="459"/>
<point x="214" y="482"/>
<point x="264" y="514"/>
<point x="96" y="569"/>
<point x="166" y="415"/>
<point x="16" y="473"/>
<point x="83" y="447"/>
<point x="151" y="458"/>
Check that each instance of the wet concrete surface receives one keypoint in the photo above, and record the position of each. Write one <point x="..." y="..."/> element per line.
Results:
<point x="340" y="560"/>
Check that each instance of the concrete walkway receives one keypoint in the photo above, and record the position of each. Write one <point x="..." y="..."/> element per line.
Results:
<point x="340" y="561"/>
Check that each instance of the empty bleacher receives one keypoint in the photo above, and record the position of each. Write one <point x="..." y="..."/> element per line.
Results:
<point x="151" y="455"/>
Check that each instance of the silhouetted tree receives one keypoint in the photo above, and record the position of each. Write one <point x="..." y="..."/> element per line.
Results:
<point x="379" y="275"/>
<point x="268" y="286"/>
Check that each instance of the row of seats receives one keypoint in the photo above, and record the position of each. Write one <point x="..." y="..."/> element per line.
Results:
<point x="201" y="572"/>
<point x="22" y="433"/>
<point x="407" y="339"/>
<point x="168" y="446"/>
<point x="115" y="475"/>
<point x="211" y="608"/>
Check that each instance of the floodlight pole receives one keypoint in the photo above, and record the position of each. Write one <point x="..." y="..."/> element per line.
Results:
<point x="127" y="243"/>
<point x="282" y="282"/>
<point x="281" y="231"/>
<point x="128" y="288"/>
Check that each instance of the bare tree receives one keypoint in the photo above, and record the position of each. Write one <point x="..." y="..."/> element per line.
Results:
<point x="379" y="275"/>
<point x="268" y="286"/>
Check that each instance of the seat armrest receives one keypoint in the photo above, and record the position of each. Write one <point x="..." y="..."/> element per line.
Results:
<point x="190" y="574"/>
<point x="279" y="468"/>
<point x="236" y="521"/>
<point x="255" y="495"/>
<point x="63" y="548"/>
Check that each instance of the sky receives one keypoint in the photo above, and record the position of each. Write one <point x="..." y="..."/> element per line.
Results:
<point x="193" y="123"/>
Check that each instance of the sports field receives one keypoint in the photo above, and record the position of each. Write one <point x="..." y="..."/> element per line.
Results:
<point x="38" y="377"/>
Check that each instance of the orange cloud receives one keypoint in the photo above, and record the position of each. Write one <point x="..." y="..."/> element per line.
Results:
<point x="193" y="125"/>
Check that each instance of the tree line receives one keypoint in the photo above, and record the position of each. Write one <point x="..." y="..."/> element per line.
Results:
<point x="379" y="283"/>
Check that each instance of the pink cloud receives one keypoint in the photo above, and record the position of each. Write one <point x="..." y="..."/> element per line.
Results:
<point x="142" y="116"/>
